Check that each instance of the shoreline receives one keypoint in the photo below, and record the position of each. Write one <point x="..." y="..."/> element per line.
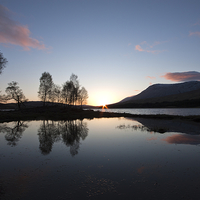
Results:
<point x="62" y="113"/>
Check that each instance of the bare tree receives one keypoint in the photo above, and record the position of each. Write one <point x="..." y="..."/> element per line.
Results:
<point x="3" y="62"/>
<point x="45" y="88"/>
<point x="82" y="96"/>
<point x="14" y="92"/>
<point x="75" y="88"/>
<point x="3" y="98"/>
<point x="57" y="93"/>
<point x="67" y="92"/>
<point x="71" y="92"/>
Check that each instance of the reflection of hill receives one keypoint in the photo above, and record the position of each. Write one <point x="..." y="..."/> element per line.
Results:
<point x="14" y="132"/>
<point x="69" y="132"/>
<point x="181" y="126"/>
<point x="189" y="132"/>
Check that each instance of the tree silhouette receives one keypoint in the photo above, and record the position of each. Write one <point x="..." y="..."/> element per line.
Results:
<point x="82" y="96"/>
<point x="3" y="62"/>
<point x="45" y="88"/>
<point x="14" y="92"/>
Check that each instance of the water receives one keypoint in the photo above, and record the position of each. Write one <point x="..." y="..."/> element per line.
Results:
<point x="107" y="158"/>
<point x="155" y="111"/>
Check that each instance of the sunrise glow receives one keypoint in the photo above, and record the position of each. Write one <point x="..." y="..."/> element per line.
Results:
<point x="102" y="98"/>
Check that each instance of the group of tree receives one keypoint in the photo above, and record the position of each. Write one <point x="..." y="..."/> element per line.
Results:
<point x="71" y="93"/>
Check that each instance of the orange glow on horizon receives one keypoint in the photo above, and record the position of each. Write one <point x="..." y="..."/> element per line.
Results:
<point x="104" y="107"/>
<point x="102" y="99"/>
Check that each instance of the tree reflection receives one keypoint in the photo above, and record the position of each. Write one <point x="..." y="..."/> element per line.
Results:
<point x="13" y="132"/>
<point x="69" y="132"/>
<point x="144" y="128"/>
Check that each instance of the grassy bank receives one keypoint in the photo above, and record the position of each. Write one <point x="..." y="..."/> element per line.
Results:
<point x="62" y="113"/>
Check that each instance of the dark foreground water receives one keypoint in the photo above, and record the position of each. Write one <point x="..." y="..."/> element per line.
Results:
<point x="100" y="159"/>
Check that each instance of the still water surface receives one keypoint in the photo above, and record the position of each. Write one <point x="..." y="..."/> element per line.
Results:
<point x="114" y="158"/>
<point x="156" y="111"/>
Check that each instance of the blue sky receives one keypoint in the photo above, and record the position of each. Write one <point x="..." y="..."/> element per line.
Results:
<point x="117" y="48"/>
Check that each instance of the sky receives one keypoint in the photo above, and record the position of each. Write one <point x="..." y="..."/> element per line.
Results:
<point x="117" y="48"/>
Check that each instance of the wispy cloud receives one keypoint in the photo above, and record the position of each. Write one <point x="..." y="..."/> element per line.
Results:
<point x="12" y="32"/>
<point x="139" y="48"/>
<point x="182" y="76"/>
<point x="195" y="33"/>
<point x="151" y="77"/>
<point x="197" y="24"/>
<point x="147" y="47"/>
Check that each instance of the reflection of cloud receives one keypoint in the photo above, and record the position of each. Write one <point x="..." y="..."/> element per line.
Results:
<point x="195" y="33"/>
<point x="152" y="138"/>
<point x="182" y="76"/>
<point x="183" y="139"/>
<point x="13" y="32"/>
<point x="140" y="170"/>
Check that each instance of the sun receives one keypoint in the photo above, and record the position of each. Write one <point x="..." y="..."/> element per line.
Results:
<point x="102" y="98"/>
<point x="102" y="101"/>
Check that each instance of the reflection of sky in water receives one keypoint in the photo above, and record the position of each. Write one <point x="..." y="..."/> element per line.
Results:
<point x="156" y="111"/>
<point x="116" y="158"/>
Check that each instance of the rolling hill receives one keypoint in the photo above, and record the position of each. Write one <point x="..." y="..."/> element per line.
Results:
<point x="186" y="94"/>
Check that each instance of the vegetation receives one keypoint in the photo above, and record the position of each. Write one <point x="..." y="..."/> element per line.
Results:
<point x="70" y="93"/>
<point x="14" y="92"/>
<point x="45" y="92"/>
<point x="3" y="62"/>
<point x="72" y="113"/>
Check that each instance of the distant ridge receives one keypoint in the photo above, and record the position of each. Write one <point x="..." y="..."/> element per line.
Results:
<point x="158" y="93"/>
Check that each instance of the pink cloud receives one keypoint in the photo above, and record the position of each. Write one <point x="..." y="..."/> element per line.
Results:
<point x="183" y="139"/>
<point x="12" y="32"/>
<point x="195" y="33"/>
<point x="182" y="76"/>
<point x="151" y="77"/>
<point x="139" y="48"/>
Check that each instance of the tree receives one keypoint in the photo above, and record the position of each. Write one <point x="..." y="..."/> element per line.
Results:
<point x="75" y="88"/>
<point x="3" y="62"/>
<point x="45" y="89"/>
<point x="14" y="92"/>
<point x="67" y="92"/>
<point x="57" y="93"/>
<point x="3" y="98"/>
<point x="82" y="96"/>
